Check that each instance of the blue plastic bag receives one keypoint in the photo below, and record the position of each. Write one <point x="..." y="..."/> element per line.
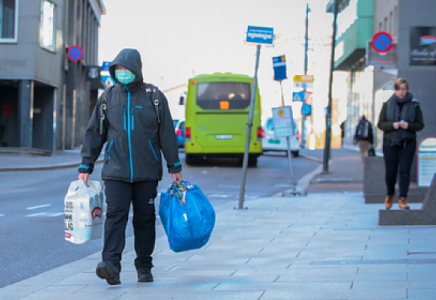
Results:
<point x="187" y="216"/>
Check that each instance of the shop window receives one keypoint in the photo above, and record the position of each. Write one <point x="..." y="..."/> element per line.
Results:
<point x="8" y="20"/>
<point x="47" y="30"/>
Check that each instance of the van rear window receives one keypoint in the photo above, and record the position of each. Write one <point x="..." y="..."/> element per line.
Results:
<point x="223" y="95"/>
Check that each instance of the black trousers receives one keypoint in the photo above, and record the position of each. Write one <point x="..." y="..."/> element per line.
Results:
<point x="119" y="195"/>
<point x="398" y="159"/>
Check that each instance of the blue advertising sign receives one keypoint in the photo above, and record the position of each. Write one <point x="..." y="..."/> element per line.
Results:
<point x="260" y="35"/>
<point x="279" y="65"/>
<point x="105" y="66"/>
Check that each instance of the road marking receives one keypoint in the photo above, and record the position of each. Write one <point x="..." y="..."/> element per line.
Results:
<point x="37" y="214"/>
<point x="228" y="185"/>
<point x="2" y="215"/>
<point x="220" y="196"/>
<point x="283" y="185"/>
<point x="39" y="206"/>
<point x="57" y="214"/>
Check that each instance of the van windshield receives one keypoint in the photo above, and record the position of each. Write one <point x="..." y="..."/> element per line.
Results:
<point x="223" y="95"/>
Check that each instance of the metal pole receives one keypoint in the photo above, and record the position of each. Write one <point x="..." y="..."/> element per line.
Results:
<point x="306" y="48"/>
<point x="249" y="125"/>
<point x="328" y="119"/>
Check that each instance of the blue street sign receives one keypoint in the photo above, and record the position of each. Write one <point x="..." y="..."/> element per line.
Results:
<point x="260" y="35"/>
<point x="107" y="79"/>
<point x="306" y="109"/>
<point x="75" y="53"/>
<point x="279" y="65"/>
<point x="105" y="66"/>
<point x="382" y="42"/>
<point x="298" y="96"/>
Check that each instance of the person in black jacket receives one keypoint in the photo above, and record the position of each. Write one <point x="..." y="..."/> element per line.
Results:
<point x="400" y="119"/>
<point x="363" y="137"/>
<point x="134" y="119"/>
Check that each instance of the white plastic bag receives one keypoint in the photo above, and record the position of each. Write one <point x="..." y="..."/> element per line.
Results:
<point x="83" y="212"/>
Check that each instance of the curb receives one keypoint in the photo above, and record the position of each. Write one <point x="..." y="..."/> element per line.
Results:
<point x="46" y="167"/>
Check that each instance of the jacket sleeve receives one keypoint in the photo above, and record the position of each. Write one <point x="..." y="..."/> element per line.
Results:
<point x="419" y="120"/>
<point x="167" y="137"/>
<point x="92" y="142"/>
<point x="383" y="124"/>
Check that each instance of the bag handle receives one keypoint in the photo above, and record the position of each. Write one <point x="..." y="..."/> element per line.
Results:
<point x="177" y="188"/>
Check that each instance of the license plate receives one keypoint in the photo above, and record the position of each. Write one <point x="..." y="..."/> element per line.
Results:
<point x="224" y="137"/>
<point x="274" y="141"/>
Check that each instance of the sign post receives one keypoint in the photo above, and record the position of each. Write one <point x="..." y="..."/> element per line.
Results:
<point x="426" y="160"/>
<point x="283" y="122"/>
<point x="257" y="36"/>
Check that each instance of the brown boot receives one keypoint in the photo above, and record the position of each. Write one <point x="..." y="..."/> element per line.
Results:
<point x="402" y="204"/>
<point x="389" y="201"/>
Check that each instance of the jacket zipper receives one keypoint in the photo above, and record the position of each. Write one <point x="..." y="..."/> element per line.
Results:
<point x="128" y="133"/>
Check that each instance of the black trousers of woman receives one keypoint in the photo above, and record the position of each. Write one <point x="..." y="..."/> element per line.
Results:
<point x="119" y="196"/>
<point x="398" y="160"/>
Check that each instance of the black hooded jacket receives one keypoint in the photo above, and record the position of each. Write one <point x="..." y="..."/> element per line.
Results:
<point x="134" y="135"/>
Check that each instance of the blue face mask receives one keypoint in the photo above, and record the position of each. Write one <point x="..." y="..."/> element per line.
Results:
<point x="124" y="76"/>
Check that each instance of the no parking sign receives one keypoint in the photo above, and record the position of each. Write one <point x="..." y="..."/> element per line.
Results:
<point x="382" y="42"/>
<point x="75" y="53"/>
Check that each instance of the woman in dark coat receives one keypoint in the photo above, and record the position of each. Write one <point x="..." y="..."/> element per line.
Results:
<point x="400" y="119"/>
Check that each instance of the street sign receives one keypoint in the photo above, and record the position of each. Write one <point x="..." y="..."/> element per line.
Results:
<point x="107" y="79"/>
<point x="279" y="65"/>
<point x="303" y="81"/>
<point x="382" y="42"/>
<point x="75" y="53"/>
<point x="426" y="161"/>
<point x="306" y="109"/>
<point x="377" y="59"/>
<point x="105" y="66"/>
<point x="298" y="96"/>
<point x="260" y="35"/>
<point x="282" y="121"/>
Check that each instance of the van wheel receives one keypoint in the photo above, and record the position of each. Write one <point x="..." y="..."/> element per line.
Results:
<point x="191" y="159"/>
<point x="252" y="160"/>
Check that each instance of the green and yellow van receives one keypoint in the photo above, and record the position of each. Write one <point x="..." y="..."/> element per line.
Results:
<point x="217" y="112"/>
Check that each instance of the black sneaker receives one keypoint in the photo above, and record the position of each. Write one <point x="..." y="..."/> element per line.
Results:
<point x="144" y="275"/>
<point x="108" y="271"/>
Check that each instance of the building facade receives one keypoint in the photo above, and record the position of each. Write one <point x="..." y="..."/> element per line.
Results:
<point x="412" y="26"/>
<point x="45" y="98"/>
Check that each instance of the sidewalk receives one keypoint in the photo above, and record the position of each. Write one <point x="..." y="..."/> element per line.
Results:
<point x="319" y="246"/>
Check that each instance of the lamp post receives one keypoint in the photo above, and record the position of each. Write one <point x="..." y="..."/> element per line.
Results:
<point x="328" y="119"/>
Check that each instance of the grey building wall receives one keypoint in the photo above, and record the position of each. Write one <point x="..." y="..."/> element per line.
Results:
<point x="421" y="78"/>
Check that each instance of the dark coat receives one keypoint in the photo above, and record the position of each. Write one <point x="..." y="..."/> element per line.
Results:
<point x="387" y="125"/>
<point x="135" y="138"/>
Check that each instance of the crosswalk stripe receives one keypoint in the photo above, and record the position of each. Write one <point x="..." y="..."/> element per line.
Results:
<point x="2" y="215"/>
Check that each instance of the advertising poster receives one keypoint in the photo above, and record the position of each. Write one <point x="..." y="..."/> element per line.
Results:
<point x="423" y="46"/>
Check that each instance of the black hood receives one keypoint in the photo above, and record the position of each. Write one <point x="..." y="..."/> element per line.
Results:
<point x="130" y="59"/>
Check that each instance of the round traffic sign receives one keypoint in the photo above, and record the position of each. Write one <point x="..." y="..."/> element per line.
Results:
<point x="75" y="53"/>
<point x="382" y="42"/>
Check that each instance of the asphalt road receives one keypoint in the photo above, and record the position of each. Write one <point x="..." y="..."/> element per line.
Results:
<point x="31" y="208"/>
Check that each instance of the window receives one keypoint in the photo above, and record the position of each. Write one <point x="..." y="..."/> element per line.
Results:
<point x="223" y="95"/>
<point x="8" y="20"/>
<point x="47" y="30"/>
